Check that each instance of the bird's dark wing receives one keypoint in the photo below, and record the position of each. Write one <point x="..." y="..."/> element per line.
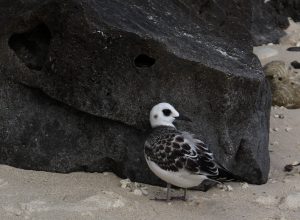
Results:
<point x="179" y="150"/>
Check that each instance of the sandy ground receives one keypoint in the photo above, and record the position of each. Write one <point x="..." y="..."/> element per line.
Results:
<point x="37" y="195"/>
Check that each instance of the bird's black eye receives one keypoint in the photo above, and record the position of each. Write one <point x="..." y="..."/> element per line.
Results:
<point x="167" y="112"/>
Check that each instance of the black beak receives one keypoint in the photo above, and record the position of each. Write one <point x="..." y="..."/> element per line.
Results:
<point x="183" y="118"/>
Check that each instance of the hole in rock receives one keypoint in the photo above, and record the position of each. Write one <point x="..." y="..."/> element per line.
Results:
<point x="32" y="46"/>
<point x="143" y="60"/>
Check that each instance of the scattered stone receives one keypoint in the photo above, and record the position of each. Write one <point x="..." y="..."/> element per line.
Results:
<point x="137" y="192"/>
<point x="125" y="183"/>
<point x="265" y="52"/>
<point x="144" y="191"/>
<point x="229" y="188"/>
<point x="287" y="129"/>
<point x="134" y="187"/>
<point x="295" y="64"/>
<point x="224" y="187"/>
<point x="292" y="201"/>
<point x="245" y="185"/>
<point x="275" y="143"/>
<point x="294" y="49"/>
<point x="267" y="200"/>
<point x="281" y="116"/>
<point x="275" y="129"/>
<point x="137" y="185"/>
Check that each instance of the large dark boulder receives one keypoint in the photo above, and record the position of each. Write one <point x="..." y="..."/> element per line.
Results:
<point x="78" y="79"/>
<point x="287" y="8"/>
<point x="267" y="24"/>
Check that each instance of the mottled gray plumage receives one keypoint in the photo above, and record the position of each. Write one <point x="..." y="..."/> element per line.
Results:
<point x="173" y="150"/>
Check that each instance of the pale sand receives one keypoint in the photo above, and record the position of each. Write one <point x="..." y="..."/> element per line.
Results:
<point x="39" y="195"/>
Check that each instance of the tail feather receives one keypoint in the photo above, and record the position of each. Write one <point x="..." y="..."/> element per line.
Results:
<point x="225" y="175"/>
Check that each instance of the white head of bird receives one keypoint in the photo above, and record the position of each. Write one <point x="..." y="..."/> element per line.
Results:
<point x="164" y="114"/>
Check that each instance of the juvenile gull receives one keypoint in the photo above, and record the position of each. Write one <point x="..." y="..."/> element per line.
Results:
<point x="178" y="157"/>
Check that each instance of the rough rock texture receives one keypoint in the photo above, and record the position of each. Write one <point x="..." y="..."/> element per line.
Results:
<point x="267" y="24"/>
<point x="78" y="79"/>
<point x="287" y="8"/>
<point x="236" y="18"/>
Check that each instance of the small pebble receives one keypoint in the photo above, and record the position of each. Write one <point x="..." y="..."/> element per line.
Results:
<point x="287" y="129"/>
<point x="137" y="192"/>
<point x="275" y="129"/>
<point x="144" y="191"/>
<point x="275" y="143"/>
<point x="125" y="183"/>
<point x="137" y="185"/>
<point x="224" y="187"/>
<point x="245" y="185"/>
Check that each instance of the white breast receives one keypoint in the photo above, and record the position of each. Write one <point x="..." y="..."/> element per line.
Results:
<point x="182" y="178"/>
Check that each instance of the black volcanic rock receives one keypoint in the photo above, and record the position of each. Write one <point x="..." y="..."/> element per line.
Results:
<point x="78" y="79"/>
<point x="267" y="24"/>
<point x="295" y="64"/>
<point x="287" y="8"/>
<point x="293" y="49"/>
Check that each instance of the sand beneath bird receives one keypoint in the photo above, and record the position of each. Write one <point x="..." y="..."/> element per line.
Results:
<point x="45" y="196"/>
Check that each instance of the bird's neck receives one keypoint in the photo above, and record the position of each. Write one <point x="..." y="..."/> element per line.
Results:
<point x="163" y="127"/>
